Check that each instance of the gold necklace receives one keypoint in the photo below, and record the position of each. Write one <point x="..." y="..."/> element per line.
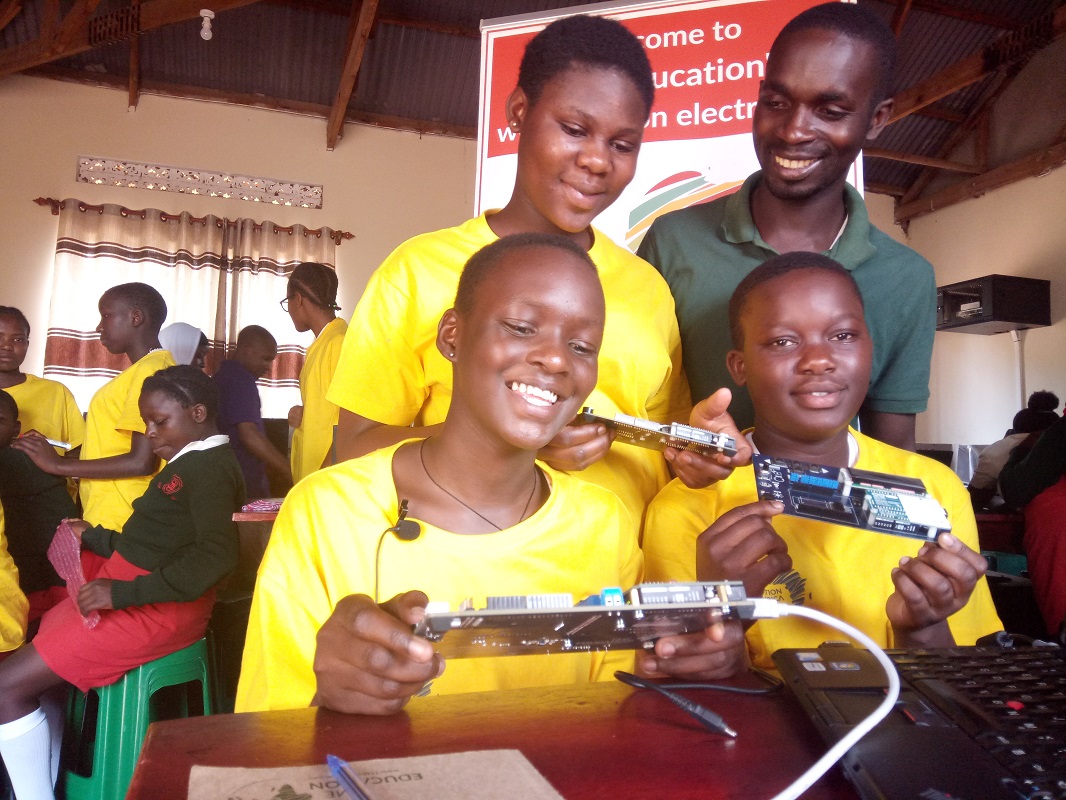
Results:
<point x="468" y="507"/>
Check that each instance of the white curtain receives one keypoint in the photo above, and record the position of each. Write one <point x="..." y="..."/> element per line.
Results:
<point x="217" y="274"/>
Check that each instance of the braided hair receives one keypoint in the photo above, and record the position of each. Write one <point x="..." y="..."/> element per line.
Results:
<point x="186" y="385"/>
<point x="317" y="282"/>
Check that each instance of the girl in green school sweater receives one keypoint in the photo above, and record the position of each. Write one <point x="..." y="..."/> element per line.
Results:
<point x="152" y="584"/>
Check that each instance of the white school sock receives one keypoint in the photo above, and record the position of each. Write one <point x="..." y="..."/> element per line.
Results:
<point x="25" y="744"/>
<point x="53" y="704"/>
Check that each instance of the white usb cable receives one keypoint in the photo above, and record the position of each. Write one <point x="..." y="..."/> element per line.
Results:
<point x="770" y="609"/>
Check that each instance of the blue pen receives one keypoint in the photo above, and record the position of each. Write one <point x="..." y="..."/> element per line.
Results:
<point x="346" y="777"/>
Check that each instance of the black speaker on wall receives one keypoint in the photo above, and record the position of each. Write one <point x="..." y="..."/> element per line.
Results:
<point x="993" y="304"/>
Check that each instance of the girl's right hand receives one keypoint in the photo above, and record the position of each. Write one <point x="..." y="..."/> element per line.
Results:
<point x="577" y="446"/>
<point x="367" y="660"/>
<point x="95" y="596"/>
<point x="742" y="545"/>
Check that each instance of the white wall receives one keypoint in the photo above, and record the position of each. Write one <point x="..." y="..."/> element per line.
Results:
<point x="1016" y="230"/>
<point x="384" y="186"/>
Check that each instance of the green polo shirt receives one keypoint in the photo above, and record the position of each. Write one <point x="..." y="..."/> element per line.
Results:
<point x="704" y="251"/>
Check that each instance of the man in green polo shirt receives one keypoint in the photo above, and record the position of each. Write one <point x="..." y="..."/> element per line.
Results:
<point x="825" y="96"/>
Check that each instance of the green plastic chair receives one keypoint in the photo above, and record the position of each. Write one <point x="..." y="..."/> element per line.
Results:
<point x="122" y="718"/>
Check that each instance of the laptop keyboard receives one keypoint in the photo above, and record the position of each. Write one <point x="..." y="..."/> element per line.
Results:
<point x="1011" y="701"/>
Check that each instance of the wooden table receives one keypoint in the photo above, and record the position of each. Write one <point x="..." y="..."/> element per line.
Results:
<point x="601" y="741"/>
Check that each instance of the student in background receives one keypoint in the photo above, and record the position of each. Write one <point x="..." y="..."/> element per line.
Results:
<point x="153" y="583"/>
<point x="802" y="348"/>
<point x="240" y="413"/>
<point x="34" y="504"/>
<point x="1036" y="417"/>
<point x="186" y="343"/>
<point x="45" y="406"/>
<point x="311" y="302"/>
<point x="116" y="461"/>
<point x="522" y="342"/>
<point x="1034" y="480"/>
<point x="584" y="93"/>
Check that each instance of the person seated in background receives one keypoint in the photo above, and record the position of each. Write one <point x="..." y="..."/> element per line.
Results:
<point x="802" y="348"/>
<point x="45" y="406"/>
<point x="116" y="462"/>
<point x="153" y="582"/>
<point x="34" y="504"/>
<point x="240" y="411"/>
<point x="311" y="302"/>
<point x="187" y="343"/>
<point x="522" y="341"/>
<point x="1034" y="479"/>
<point x="1038" y="414"/>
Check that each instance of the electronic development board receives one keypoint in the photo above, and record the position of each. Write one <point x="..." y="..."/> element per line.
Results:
<point x="853" y="497"/>
<point x="536" y="624"/>
<point x="657" y="436"/>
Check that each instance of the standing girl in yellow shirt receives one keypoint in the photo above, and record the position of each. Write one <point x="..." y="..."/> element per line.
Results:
<point x="311" y="302"/>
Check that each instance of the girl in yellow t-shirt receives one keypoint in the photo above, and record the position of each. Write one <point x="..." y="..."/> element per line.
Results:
<point x="311" y="302"/>
<point x="45" y="406"/>
<point x="116" y="460"/>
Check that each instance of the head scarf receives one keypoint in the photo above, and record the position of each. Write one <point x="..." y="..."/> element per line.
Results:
<point x="182" y="340"/>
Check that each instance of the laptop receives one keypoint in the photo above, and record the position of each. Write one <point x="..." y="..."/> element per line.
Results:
<point x="971" y="723"/>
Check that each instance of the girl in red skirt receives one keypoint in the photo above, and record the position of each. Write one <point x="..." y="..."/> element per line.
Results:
<point x="152" y="583"/>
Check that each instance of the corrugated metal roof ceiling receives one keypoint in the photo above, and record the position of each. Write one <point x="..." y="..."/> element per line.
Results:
<point x="290" y="54"/>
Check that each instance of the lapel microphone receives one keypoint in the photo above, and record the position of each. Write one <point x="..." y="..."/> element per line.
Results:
<point x="405" y="529"/>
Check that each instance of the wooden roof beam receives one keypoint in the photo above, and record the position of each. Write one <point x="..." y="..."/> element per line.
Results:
<point x="925" y="161"/>
<point x="359" y="27"/>
<point x="956" y="137"/>
<point x="1031" y="166"/>
<point x="899" y="16"/>
<point x="942" y="113"/>
<point x="9" y="9"/>
<point x="327" y="7"/>
<point x="72" y="35"/>
<point x="74" y="23"/>
<point x="1009" y="48"/>
<point x="883" y="188"/>
<point x="430" y="25"/>
<point x="955" y="12"/>
<point x="134" y="93"/>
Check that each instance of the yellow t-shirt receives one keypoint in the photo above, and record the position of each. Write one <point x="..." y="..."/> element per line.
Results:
<point x="311" y="442"/>
<point x="391" y="371"/>
<point x="48" y="407"/>
<point x="845" y="572"/>
<point x="113" y="418"/>
<point x="322" y="548"/>
<point x="14" y="608"/>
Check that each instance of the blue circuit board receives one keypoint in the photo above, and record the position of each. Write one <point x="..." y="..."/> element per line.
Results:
<point x="856" y="498"/>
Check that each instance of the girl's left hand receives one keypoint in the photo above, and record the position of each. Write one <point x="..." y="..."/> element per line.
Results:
<point x="78" y="526"/>
<point x="95" y="596"/>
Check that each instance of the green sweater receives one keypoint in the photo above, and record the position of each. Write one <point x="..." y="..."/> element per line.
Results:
<point x="34" y="504"/>
<point x="182" y="530"/>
